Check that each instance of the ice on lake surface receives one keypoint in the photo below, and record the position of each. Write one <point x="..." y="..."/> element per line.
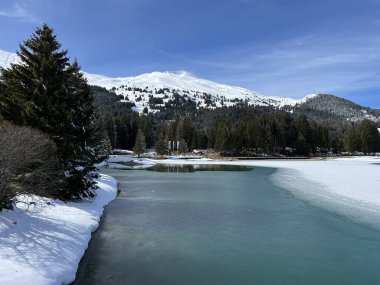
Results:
<point x="224" y="227"/>
<point x="197" y="167"/>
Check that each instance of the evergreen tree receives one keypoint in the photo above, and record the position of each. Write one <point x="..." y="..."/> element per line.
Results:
<point x="202" y="140"/>
<point x="370" y="137"/>
<point x="182" y="148"/>
<point x="161" y="145"/>
<point x="352" y="140"/>
<point x="147" y="128"/>
<point x="110" y="127"/>
<point x="140" y="145"/>
<point x="10" y="106"/>
<point x="121" y="134"/>
<point x="194" y="141"/>
<point x="302" y="147"/>
<point x="185" y="130"/>
<point x="53" y="96"/>
<point x="101" y="141"/>
<point x="221" y="136"/>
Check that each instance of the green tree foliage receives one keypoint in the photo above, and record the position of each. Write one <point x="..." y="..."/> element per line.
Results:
<point x="121" y="121"/>
<point x="110" y="127"/>
<point x="185" y="130"/>
<point x="223" y="136"/>
<point x="148" y="129"/>
<point x="161" y="145"/>
<point x="352" y="140"/>
<point x="49" y="93"/>
<point x="369" y="136"/>
<point x="140" y="144"/>
<point x="362" y="137"/>
<point x="182" y="147"/>
<point x="101" y="140"/>
<point x="245" y="130"/>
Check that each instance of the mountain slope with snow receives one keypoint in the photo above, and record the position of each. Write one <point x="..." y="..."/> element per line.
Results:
<point x="205" y="93"/>
<point x="338" y="107"/>
<point x="164" y="85"/>
<point x="151" y="92"/>
<point x="184" y="81"/>
<point x="6" y="58"/>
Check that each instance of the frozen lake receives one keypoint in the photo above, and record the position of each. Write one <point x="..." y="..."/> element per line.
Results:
<point x="186" y="225"/>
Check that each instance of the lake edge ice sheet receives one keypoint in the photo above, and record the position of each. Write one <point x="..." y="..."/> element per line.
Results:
<point x="45" y="244"/>
<point x="223" y="227"/>
<point x="348" y="186"/>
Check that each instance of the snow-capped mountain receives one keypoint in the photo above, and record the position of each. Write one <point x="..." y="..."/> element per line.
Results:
<point x="6" y="58"/>
<point x="164" y="85"/>
<point x="153" y="91"/>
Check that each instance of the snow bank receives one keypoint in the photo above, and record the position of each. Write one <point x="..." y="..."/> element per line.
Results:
<point x="128" y="162"/>
<point x="44" y="244"/>
<point x="189" y="157"/>
<point x="349" y="186"/>
<point x="122" y="151"/>
<point x="357" y="178"/>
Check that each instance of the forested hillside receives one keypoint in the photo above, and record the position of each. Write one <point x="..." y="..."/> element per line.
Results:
<point x="237" y="130"/>
<point x="331" y="106"/>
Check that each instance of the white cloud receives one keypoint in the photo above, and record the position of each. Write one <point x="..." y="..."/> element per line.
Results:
<point x="19" y="10"/>
<point x="318" y="63"/>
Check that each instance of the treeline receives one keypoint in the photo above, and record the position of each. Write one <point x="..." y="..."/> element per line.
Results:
<point x="276" y="133"/>
<point x="238" y="130"/>
<point x="50" y="137"/>
<point x="119" y="120"/>
<point x="362" y="137"/>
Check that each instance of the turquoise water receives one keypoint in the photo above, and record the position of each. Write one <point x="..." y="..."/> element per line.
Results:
<point x="223" y="227"/>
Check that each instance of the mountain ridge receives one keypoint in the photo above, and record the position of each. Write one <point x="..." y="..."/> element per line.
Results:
<point x="150" y="92"/>
<point x="180" y="81"/>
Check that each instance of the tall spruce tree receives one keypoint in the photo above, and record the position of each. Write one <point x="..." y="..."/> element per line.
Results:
<point x="161" y="145"/>
<point x="49" y="93"/>
<point x="370" y="137"/>
<point x="140" y="144"/>
<point x="352" y="140"/>
<point x="182" y="148"/>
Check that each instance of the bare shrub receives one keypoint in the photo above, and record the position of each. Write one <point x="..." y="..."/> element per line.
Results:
<point x="28" y="164"/>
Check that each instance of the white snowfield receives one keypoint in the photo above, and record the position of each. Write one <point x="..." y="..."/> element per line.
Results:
<point x="185" y="84"/>
<point x="43" y="245"/>
<point x="6" y="58"/>
<point x="185" y="81"/>
<point x="349" y="186"/>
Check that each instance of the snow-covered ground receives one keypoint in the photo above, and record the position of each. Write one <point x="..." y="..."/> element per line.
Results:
<point x="348" y="186"/>
<point x="44" y="244"/>
<point x="128" y="162"/>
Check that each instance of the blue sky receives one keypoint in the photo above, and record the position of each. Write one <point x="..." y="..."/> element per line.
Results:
<point x="275" y="47"/>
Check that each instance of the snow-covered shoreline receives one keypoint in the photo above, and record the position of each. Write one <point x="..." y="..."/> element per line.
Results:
<point x="351" y="184"/>
<point x="347" y="186"/>
<point x="45" y="244"/>
<point x="351" y="178"/>
<point x="343" y="176"/>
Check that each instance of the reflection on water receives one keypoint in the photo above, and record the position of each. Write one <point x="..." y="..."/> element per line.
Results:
<point x="214" y="228"/>
<point x="193" y="168"/>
